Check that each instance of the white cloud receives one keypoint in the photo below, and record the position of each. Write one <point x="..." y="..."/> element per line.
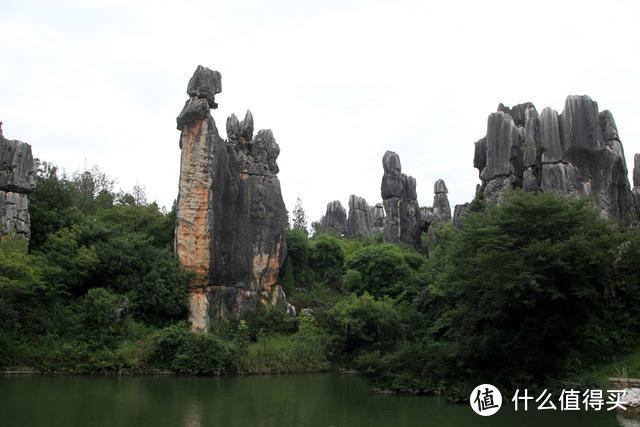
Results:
<point x="338" y="82"/>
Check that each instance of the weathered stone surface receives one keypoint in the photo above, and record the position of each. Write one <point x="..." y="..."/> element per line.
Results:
<point x="335" y="219"/>
<point x="517" y="112"/>
<point x="17" y="168"/>
<point x="550" y="136"/>
<point x="608" y="126"/>
<point x="378" y="217"/>
<point x="529" y="181"/>
<point x="501" y="141"/>
<point x="580" y="125"/>
<point x="17" y="178"/>
<point x="400" y="201"/>
<point x="205" y="84"/>
<point x="636" y="170"/>
<point x="194" y="110"/>
<point x="531" y="136"/>
<point x="14" y="214"/>
<point x="230" y="215"/>
<point x="458" y="214"/>
<point x="564" y="178"/>
<point x="582" y="154"/>
<point x="441" y="207"/>
<point x="392" y="185"/>
<point x="359" y="222"/>
<point x="426" y="218"/>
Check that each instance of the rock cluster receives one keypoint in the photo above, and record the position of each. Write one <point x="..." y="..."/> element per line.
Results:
<point x="17" y="179"/>
<point x="362" y="220"/>
<point x="230" y="212"/>
<point x="335" y="219"/>
<point x="577" y="152"/>
<point x="403" y="222"/>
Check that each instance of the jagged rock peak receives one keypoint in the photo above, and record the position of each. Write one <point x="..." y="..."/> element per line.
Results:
<point x="254" y="155"/>
<point x="243" y="129"/>
<point x="582" y="154"/>
<point x="636" y="170"/>
<point x="205" y="84"/>
<point x="517" y="112"/>
<point x="335" y="219"/>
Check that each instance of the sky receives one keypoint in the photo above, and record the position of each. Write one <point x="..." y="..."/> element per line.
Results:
<point x="339" y="82"/>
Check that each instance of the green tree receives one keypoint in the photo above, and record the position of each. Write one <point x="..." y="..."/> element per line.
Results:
<point x="524" y="286"/>
<point x="299" y="217"/>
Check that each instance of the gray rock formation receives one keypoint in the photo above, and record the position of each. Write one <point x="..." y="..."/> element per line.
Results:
<point x="335" y="219"/>
<point x="360" y="219"/>
<point x="230" y="213"/>
<point x="439" y="213"/>
<point x="400" y="201"/>
<point x="17" y="179"/>
<point x="378" y="217"/>
<point x="441" y="207"/>
<point x="458" y="214"/>
<point x="635" y="191"/>
<point x="582" y="154"/>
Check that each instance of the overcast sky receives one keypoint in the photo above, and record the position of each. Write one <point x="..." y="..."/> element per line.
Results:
<point x="338" y="82"/>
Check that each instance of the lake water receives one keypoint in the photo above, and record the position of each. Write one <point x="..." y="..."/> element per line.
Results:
<point x="321" y="400"/>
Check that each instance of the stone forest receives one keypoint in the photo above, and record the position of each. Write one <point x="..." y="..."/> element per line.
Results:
<point x="543" y="263"/>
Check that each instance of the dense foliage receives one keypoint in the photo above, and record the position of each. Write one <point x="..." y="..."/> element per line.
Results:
<point x="526" y="293"/>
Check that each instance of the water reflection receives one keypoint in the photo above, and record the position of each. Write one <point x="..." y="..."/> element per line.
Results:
<point x="293" y="400"/>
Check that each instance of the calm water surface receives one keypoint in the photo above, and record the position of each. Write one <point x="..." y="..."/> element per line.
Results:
<point x="289" y="400"/>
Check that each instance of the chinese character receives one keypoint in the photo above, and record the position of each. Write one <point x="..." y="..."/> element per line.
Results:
<point x="485" y="400"/>
<point x="570" y="400"/>
<point x="614" y="399"/>
<point x="593" y="399"/>
<point x="525" y="397"/>
<point x="545" y="396"/>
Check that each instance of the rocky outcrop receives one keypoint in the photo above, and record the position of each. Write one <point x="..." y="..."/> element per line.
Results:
<point x="635" y="191"/>
<point x="441" y="207"/>
<point x="230" y="213"/>
<point x="439" y="213"/>
<point x="17" y="179"/>
<point x="459" y="211"/>
<point x="400" y="201"/>
<point x="377" y="218"/>
<point x="335" y="219"/>
<point x="359" y="221"/>
<point x="577" y="152"/>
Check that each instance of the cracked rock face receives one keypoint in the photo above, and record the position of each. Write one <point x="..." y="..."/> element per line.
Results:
<point x="230" y="212"/>
<point x="403" y="222"/>
<point x="582" y="154"/>
<point x="335" y="219"/>
<point x="459" y="211"/>
<point x="17" y="179"/>
<point x="359" y="221"/>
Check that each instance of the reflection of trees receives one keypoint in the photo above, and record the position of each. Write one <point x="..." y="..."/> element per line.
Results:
<point x="193" y="415"/>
